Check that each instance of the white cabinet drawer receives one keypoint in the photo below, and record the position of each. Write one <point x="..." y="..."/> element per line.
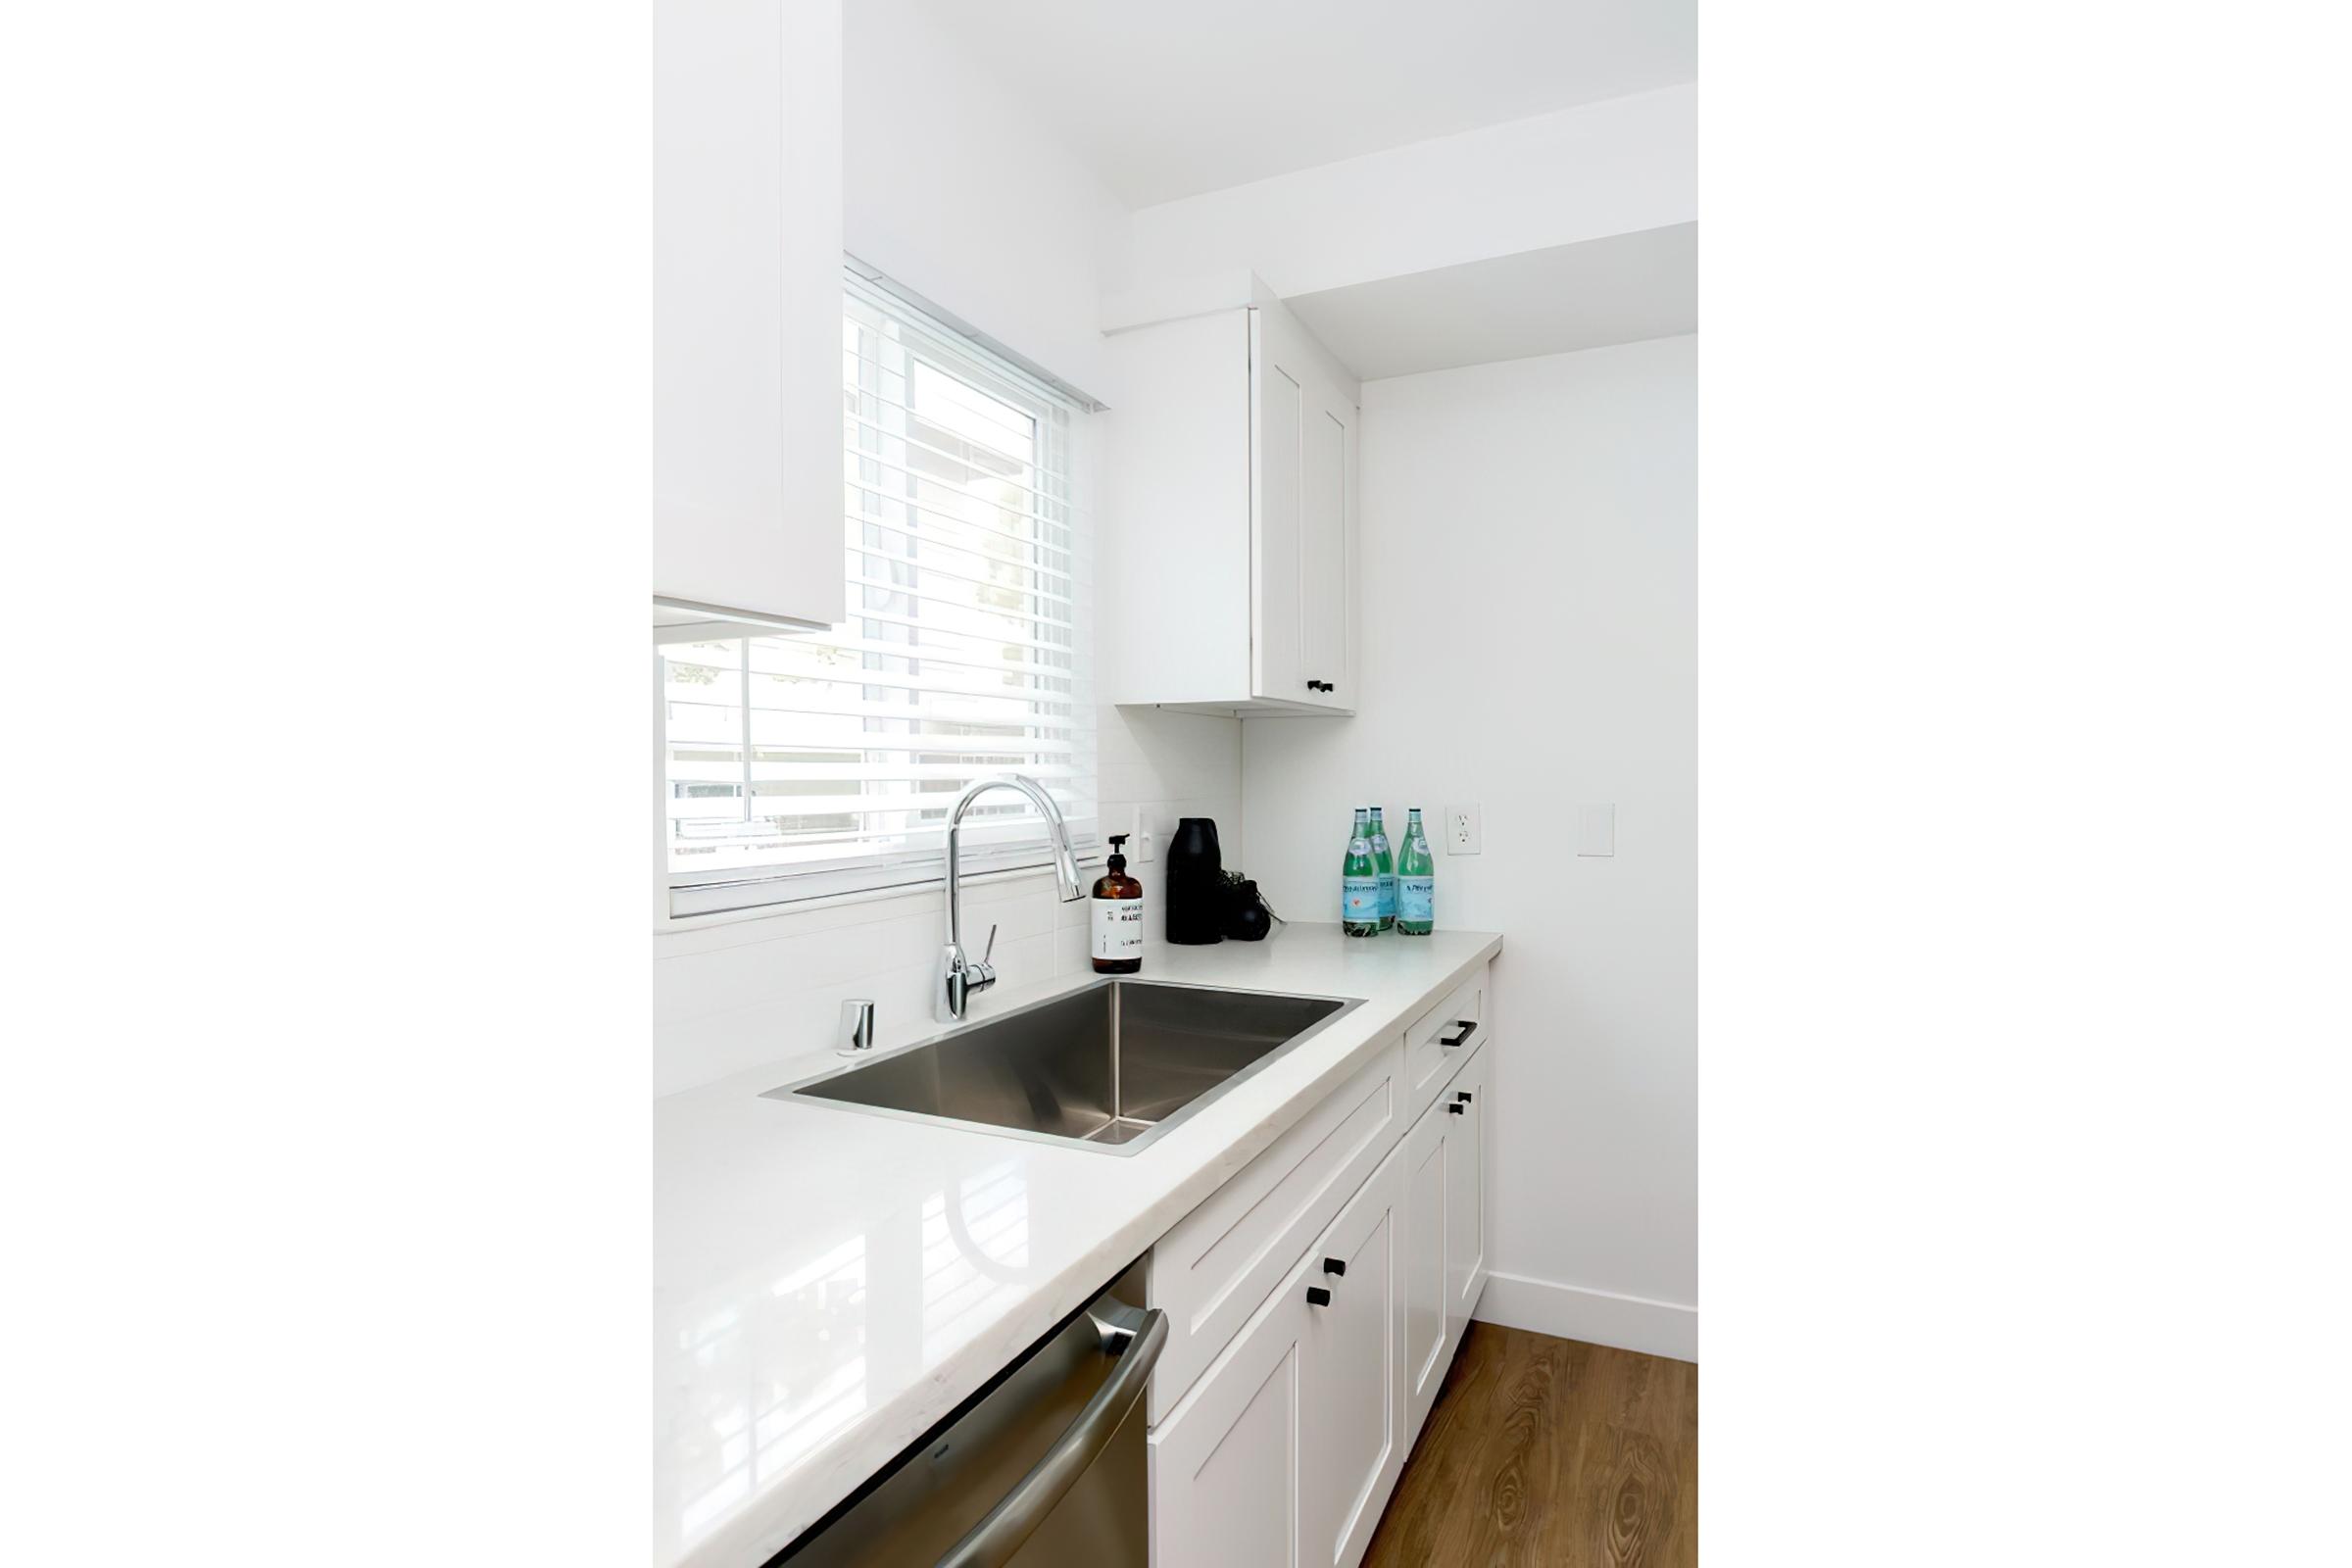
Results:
<point x="1429" y="1062"/>
<point x="1216" y="1266"/>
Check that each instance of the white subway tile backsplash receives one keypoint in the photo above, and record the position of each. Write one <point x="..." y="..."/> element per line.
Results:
<point x="732" y="995"/>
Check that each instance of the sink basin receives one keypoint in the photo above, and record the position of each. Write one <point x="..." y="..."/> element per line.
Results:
<point x="1108" y="1067"/>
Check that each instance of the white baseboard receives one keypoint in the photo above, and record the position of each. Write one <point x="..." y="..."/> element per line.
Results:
<point x="1598" y="1317"/>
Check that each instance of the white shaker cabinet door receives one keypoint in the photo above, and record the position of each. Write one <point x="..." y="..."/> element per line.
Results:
<point x="1425" y="1206"/>
<point x="1225" y="1463"/>
<point x="747" y="311"/>
<point x="1464" y="1105"/>
<point x="1353" y="1419"/>
<point x="1281" y="408"/>
<point x="1327" y="485"/>
<point x="1302" y="516"/>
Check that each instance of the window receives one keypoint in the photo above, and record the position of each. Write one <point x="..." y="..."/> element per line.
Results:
<point x="798" y="765"/>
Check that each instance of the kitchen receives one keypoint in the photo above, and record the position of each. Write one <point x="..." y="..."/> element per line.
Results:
<point x="1205" y="904"/>
<point x="1144" y="432"/>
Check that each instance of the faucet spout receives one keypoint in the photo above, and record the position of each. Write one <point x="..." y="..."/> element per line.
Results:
<point x="959" y="974"/>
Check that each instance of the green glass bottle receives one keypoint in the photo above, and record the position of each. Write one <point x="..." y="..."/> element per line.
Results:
<point x="1359" y="882"/>
<point x="1383" y="858"/>
<point x="1416" y="881"/>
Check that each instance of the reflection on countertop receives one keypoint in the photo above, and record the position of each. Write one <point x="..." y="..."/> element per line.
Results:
<point x="827" y="1284"/>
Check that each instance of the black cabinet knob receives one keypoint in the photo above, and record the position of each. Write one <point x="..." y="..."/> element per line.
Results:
<point x="1317" y="1295"/>
<point x="1454" y="1109"/>
<point x="1462" y="1094"/>
<point x="1331" y="1266"/>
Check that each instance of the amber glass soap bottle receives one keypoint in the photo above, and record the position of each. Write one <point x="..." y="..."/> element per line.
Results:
<point x="1118" y="916"/>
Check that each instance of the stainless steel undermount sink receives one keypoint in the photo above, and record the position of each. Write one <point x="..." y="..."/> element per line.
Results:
<point x="1108" y="1067"/>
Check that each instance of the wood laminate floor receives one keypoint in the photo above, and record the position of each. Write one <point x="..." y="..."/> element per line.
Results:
<point x="1553" y="1452"/>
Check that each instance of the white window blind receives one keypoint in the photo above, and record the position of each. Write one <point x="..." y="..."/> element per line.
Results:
<point x="800" y="766"/>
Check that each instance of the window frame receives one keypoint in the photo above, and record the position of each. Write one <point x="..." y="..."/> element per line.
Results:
<point x="694" y="896"/>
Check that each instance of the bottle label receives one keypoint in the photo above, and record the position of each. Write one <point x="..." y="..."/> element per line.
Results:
<point x="1387" y="895"/>
<point x="1359" y="898"/>
<point x="1118" y="927"/>
<point x="1416" y="897"/>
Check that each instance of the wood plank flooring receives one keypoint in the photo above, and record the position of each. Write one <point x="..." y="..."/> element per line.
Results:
<point x="1553" y="1452"/>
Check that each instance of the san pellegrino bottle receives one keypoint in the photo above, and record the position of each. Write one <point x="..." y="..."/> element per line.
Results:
<point x="1359" y="882"/>
<point x="1387" y="862"/>
<point x="1416" y="881"/>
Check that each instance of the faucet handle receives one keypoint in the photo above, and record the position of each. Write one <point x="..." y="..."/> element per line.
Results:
<point x="987" y="951"/>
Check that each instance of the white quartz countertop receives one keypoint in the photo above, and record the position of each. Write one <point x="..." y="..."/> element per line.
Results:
<point x="828" y="1284"/>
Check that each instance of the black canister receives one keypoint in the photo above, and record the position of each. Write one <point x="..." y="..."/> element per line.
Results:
<point x="1195" y="884"/>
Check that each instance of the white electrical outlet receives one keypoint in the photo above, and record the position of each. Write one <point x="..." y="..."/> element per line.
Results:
<point x="1143" y="845"/>
<point x="1462" y="830"/>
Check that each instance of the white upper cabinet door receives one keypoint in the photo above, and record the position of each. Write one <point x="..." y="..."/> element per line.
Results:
<point x="1225" y="1463"/>
<point x="1302" y="517"/>
<point x="1324" y="570"/>
<point x="1465" y="1107"/>
<point x="1352" y="1420"/>
<point x="1284" y="408"/>
<point x="747" y="260"/>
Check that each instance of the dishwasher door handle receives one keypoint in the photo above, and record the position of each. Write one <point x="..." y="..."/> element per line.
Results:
<point x="1137" y="1341"/>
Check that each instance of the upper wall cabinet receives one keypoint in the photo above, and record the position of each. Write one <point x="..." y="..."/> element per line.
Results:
<point x="747" y="311"/>
<point x="1230" y="542"/>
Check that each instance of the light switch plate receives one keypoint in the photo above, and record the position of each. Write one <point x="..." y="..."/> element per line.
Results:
<point x="1464" y="832"/>
<point x="1597" y="830"/>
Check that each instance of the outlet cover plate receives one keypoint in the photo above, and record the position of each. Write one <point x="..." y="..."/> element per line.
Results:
<point x="1597" y="830"/>
<point x="1464" y="833"/>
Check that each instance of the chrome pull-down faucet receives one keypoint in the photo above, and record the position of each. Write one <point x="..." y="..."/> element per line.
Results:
<point x="959" y="975"/>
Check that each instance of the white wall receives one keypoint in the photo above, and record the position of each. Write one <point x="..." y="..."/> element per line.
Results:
<point x="1616" y="166"/>
<point x="952" y="187"/>
<point x="1530" y="592"/>
<point x="955" y="191"/>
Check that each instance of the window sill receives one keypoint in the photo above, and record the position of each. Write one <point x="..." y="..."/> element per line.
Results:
<point x="929" y="891"/>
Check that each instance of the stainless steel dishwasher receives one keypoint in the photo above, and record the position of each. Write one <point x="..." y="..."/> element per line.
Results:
<point x="1043" y="1468"/>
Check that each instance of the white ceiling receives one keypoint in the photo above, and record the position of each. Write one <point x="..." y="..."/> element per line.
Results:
<point x="1170" y="98"/>
<point x="1619" y="290"/>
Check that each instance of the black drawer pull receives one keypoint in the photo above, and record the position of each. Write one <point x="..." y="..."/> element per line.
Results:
<point x="1453" y="1108"/>
<point x="1333" y="1267"/>
<point x="1468" y="1026"/>
<point x="1462" y="1094"/>
<point x="1317" y="1295"/>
